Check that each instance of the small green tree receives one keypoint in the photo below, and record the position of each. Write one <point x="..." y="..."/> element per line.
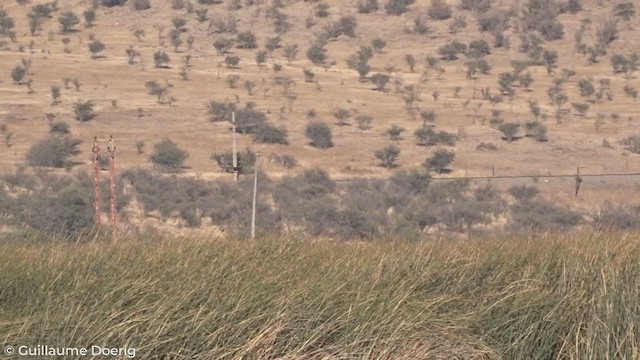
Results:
<point x="168" y="156"/>
<point x="320" y="135"/>
<point x="378" y="45"/>
<point x="247" y="40"/>
<point x="269" y="134"/>
<point x="89" y="17"/>
<point x="394" y="132"/>
<point x="317" y="54"/>
<point x="439" y="161"/>
<point x="59" y="128"/>
<point x="290" y="52"/>
<point x="380" y="81"/>
<point x="451" y="50"/>
<point x="625" y="10"/>
<point x="156" y="89"/>
<point x="261" y="57"/>
<point x="18" y="73"/>
<point x="67" y="21"/>
<point x="55" y="94"/>
<point x="222" y="45"/>
<point x="586" y="88"/>
<point x="161" y="59"/>
<point x="364" y="121"/>
<point x="509" y="130"/>
<point x="53" y="151"/>
<point x="388" y="156"/>
<point x="83" y="110"/>
<point x="232" y="61"/>
<point x="342" y="115"/>
<point x="550" y="60"/>
<point x="96" y="46"/>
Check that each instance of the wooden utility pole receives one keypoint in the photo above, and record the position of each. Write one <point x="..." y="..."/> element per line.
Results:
<point x="255" y="195"/>
<point x="236" y="170"/>
<point x="114" y="215"/>
<point x="96" y="179"/>
<point x="578" y="180"/>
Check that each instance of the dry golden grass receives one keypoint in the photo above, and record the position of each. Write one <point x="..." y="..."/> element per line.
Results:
<point x="536" y="297"/>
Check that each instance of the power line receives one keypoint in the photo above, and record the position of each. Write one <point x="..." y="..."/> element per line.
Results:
<point x="572" y="176"/>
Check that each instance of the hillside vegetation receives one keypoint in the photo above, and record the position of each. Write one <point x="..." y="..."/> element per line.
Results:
<point x="530" y="87"/>
<point x="530" y="297"/>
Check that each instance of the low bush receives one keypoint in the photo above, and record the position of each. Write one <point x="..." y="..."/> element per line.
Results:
<point x="168" y="156"/>
<point x="53" y="151"/>
<point x="320" y="135"/>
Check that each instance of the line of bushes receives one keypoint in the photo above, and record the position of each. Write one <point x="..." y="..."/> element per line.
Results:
<point x="409" y="205"/>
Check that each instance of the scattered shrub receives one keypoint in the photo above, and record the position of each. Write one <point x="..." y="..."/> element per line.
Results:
<point x="95" y="47"/>
<point x="510" y="130"/>
<point x="617" y="217"/>
<point x="317" y="54"/>
<point x="83" y="110"/>
<point x="168" y="156"/>
<point x="440" y="160"/>
<point x="320" y="135"/>
<point x="397" y="7"/>
<point x="367" y="6"/>
<point x="439" y="10"/>
<point x="67" y="21"/>
<point x="540" y="216"/>
<point x="141" y="4"/>
<point x="632" y="143"/>
<point x="53" y="151"/>
<point x="388" y="156"/>
<point x="451" y="50"/>
<point x="269" y="134"/>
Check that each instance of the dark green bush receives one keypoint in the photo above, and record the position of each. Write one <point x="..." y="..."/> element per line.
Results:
<point x="540" y="216"/>
<point x="168" y="156"/>
<point x="269" y="134"/>
<point x="320" y="135"/>
<point x="53" y="152"/>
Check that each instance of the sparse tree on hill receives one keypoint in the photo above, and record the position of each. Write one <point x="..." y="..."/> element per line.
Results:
<point x="317" y="54"/>
<point x="364" y="121"/>
<point x="319" y="134"/>
<point x="342" y="115"/>
<point x="161" y="59"/>
<point x="83" y="110"/>
<point x="18" y="73"/>
<point x="246" y="40"/>
<point x="261" y="57"/>
<point x="232" y="61"/>
<point x="550" y="59"/>
<point x="394" y="132"/>
<point x="222" y="45"/>
<point x="95" y="47"/>
<point x="290" y="52"/>
<point x="440" y="160"/>
<point x="388" y="156"/>
<point x="509" y="130"/>
<point x="380" y="80"/>
<point x="55" y="94"/>
<point x="89" y="17"/>
<point x="378" y="45"/>
<point x="67" y="21"/>
<point x="157" y="90"/>
<point x="168" y="156"/>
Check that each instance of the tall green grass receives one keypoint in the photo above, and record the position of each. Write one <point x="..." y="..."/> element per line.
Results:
<point x="536" y="297"/>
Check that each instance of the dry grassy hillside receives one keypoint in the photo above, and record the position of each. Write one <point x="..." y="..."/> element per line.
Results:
<point x="125" y="109"/>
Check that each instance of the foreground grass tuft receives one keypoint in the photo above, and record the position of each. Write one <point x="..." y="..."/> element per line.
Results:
<point x="536" y="297"/>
